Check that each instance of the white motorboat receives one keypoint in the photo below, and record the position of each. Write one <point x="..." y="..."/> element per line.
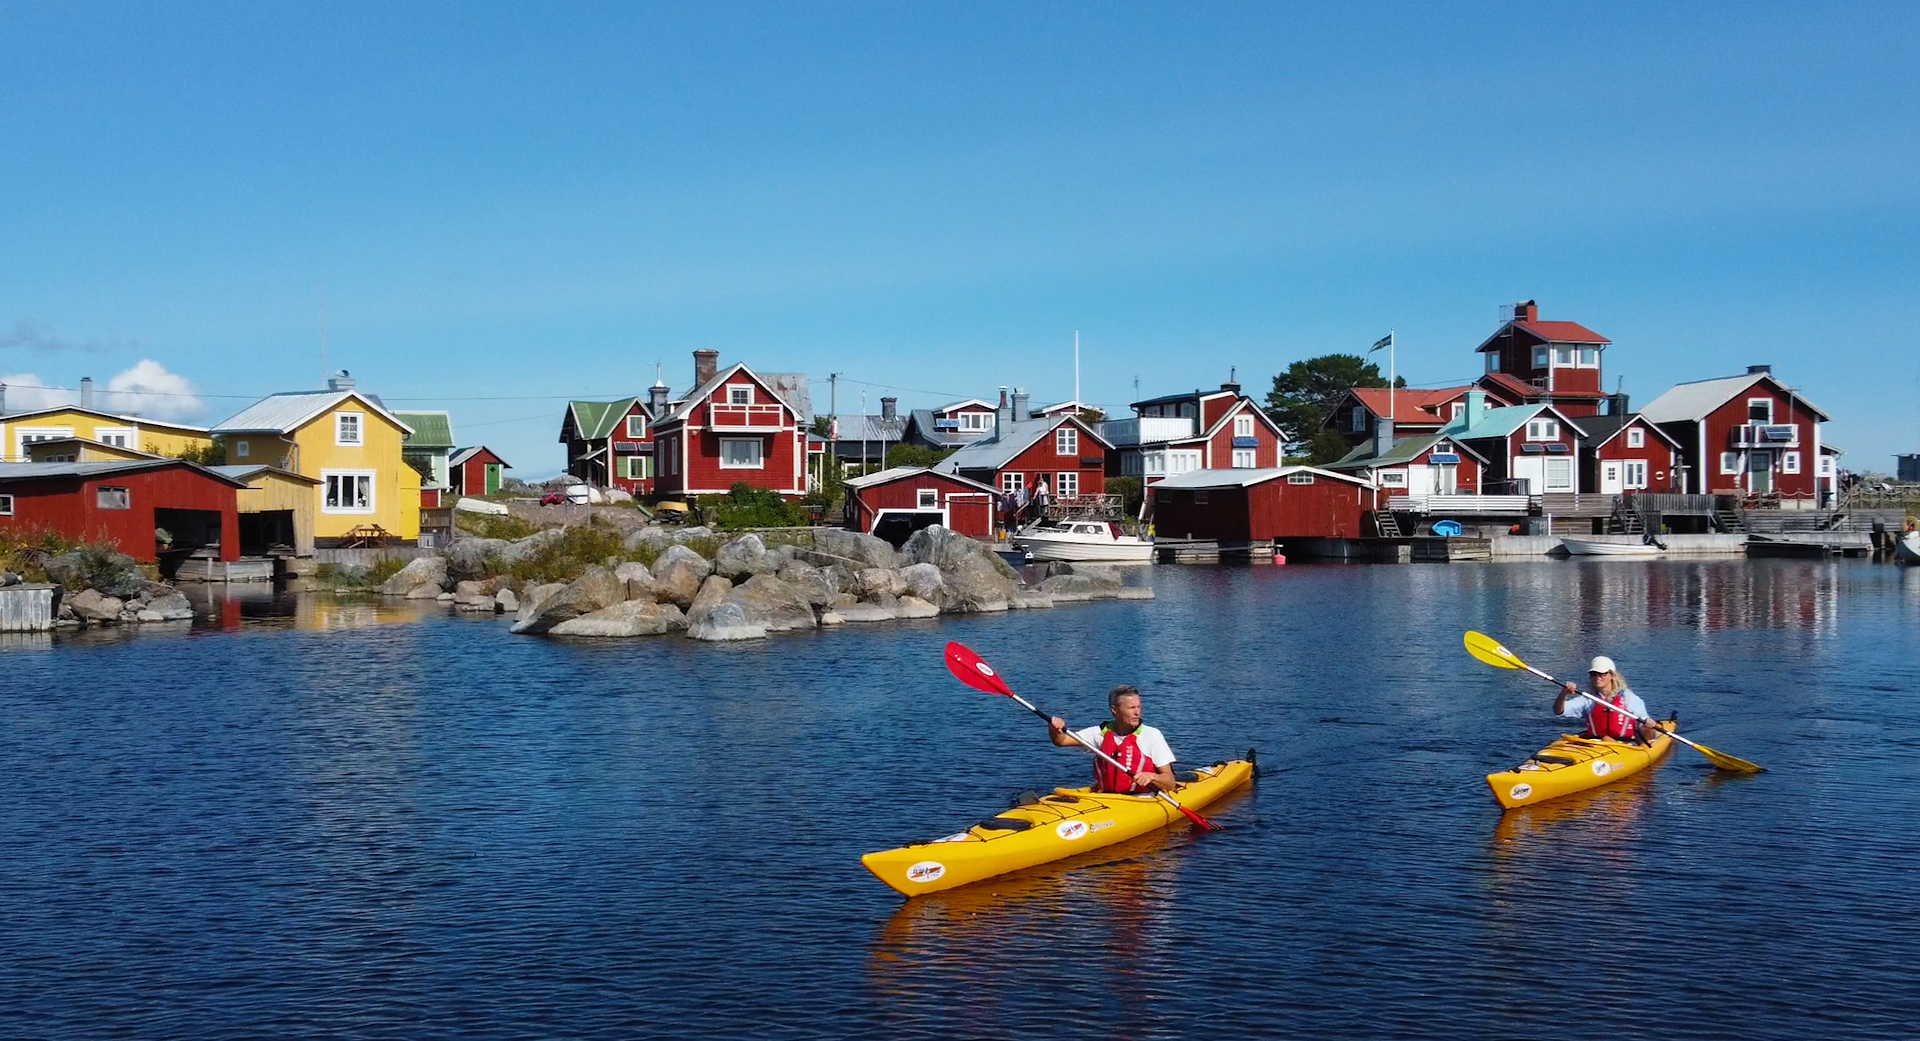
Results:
<point x="1907" y="548"/>
<point x="1085" y="541"/>
<point x="1591" y="548"/>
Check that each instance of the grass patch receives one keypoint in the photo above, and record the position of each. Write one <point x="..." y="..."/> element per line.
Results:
<point x="488" y="526"/>
<point x="563" y="559"/>
<point x="23" y="551"/>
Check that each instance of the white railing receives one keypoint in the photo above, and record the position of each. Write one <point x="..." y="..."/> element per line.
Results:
<point x="1766" y="435"/>
<point x="1514" y="504"/>
<point x="1147" y="430"/>
<point x="744" y="417"/>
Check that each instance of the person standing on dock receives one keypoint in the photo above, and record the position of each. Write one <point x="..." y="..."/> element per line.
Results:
<point x="1141" y="748"/>
<point x="1604" y="722"/>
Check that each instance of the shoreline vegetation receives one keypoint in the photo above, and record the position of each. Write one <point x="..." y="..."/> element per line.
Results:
<point x="596" y="580"/>
<point x="94" y="583"/>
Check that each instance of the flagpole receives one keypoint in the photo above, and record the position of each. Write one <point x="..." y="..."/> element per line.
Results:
<point x="1392" y="345"/>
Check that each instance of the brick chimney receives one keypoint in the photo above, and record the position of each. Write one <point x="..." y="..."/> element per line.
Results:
<point x="1526" y="311"/>
<point x="341" y="380"/>
<point x="706" y="365"/>
<point x="1002" y="416"/>
<point x="889" y="408"/>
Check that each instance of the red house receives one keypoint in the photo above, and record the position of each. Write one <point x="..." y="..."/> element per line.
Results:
<point x="476" y="471"/>
<point x="1258" y="505"/>
<point x="1556" y="363"/>
<point x="1746" y="435"/>
<point x="1529" y="449"/>
<point x="893" y="504"/>
<point x="734" y="426"/>
<point x="1623" y="453"/>
<point x="1414" y="412"/>
<point x="1212" y="430"/>
<point x="1064" y="453"/>
<point x="123" y="503"/>
<point x="1430" y="464"/>
<point x="610" y="443"/>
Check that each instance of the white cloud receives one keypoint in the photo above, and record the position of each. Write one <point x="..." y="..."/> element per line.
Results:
<point x="147" y="389"/>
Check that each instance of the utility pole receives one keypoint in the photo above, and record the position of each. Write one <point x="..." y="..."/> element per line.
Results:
<point x="1076" y="368"/>
<point x="323" y="334"/>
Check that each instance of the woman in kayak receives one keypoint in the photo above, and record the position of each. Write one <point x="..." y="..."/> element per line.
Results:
<point x="1143" y="749"/>
<point x="1604" y="722"/>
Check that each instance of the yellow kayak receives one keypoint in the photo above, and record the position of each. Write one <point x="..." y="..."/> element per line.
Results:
<point x="1575" y="764"/>
<point x="1070" y="821"/>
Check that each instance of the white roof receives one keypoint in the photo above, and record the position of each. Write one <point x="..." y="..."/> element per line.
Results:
<point x="963" y="404"/>
<point x="899" y="473"/>
<point x="1247" y="478"/>
<point x="285" y="413"/>
<point x="1692" y="402"/>
<point x="994" y="452"/>
<point x="15" y="417"/>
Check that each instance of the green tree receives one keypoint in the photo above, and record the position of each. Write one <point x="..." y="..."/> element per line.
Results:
<point x="213" y="453"/>
<point x="1303" y="395"/>
<point x="915" y="455"/>
<point x="1130" y="493"/>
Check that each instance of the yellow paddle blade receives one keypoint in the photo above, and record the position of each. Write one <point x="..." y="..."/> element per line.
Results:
<point x="1489" y="650"/>
<point x="1728" y="762"/>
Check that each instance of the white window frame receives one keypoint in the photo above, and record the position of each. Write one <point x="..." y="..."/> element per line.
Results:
<point x="973" y="421"/>
<point x="103" y="500"/>
<point x="6" y="505"/>
<point x="1790" y="462"/>
<point x="242" y="449"/>
<point x="1542" y="358"/>
<point x="1012" y="481"/>
<point x="636" y="426"/>
<point x="1066" y="441"/>
<point x="1826" y="466"/>
<point x="759" y="453"/>
<point x="1392" y="478"/>
<point x="1299" y="478"/>
<point x="635" y="468"/>
<point x="1243" y="426"/>
<point x="1760" y="401"/>
<point x="1589" y="357"/>
<point x="1564" y="357"/>
<point x="24" y="436"/>
<point x="1633" y="474"/>
<point x="1243" y="459"/>
<point x="1565" y="466"/>
<point x="1458" y="409"/>
<point x="340" y="478"/>
<point x="359" y="424"/>
<point x="927" y="498"/>
<point x="1153" y="464"/>
<point x="118" y="437"/>
<point x="1730" y="464"/>
<point x="740" y="394"/>
<point x="1636" y="437"/>
<point x="1066" y="484"/>
<point x="1184" y="460"/>
<point x="1543" y="430"/>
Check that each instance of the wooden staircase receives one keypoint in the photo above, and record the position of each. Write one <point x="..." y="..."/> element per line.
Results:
<point x="1387" y="524"/>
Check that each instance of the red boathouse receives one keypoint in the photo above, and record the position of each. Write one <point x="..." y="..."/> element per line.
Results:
<point x="123" y="503"/>
<point x="1285" y="502"/>
<point x="893" y="504"/>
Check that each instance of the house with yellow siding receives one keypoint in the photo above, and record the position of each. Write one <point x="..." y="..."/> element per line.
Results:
<point x="20" y="429"/>
<point x="346" y="440"/>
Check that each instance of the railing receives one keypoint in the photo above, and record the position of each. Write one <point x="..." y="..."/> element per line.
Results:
<point x="1764" y="435"/>
<point x="745" y="417"/>
<point x="1510" y="504"/>
<point x="1146" y="430"/>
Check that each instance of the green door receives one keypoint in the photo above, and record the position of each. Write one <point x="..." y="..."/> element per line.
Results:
<point x="493" y="478"/>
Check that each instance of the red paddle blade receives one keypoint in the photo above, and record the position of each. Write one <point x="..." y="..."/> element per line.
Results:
<point x="1201" y="822"/>
<point x="973" y="670"/>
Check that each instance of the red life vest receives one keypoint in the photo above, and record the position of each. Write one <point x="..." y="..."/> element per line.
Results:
<point x="1127" y="751"/>
<point x="1605" y="722"/>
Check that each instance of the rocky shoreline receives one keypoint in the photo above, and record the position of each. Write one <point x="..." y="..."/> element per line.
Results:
<point x="112" y="590"/>
<point x="746" y="589"/>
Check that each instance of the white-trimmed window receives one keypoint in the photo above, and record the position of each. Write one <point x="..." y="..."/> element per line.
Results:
<point x="1759" y="410"/>
<point x="1066" y="484"/>
<point x="1066" y="441"/>
<point x="1589" y="357"/>
<point x="742" y="453"/>
<point x="1543" y="430"/>
<point x="346" y="491"/>
<point x="349" y="428"/>
<point x="635" y="467"/>
<point x="107" y="497"/>
<point x="1458" y="409"/>
<point x="25" y="436"/>
<point x="1789" y="462"/>
<point x="1563" y="357"/>
<point x="6" y="505"/>
<point x="1243" y="426"/>
<point x="1729" y="463"/>
<point x="242" y="449"/>
<point x="740" y="394"/>
<point x="118" y="437"/>
<point x="1393" y="478"/>
<point x="1299" y="478"/>
<point x="1559" y="475"/>
<point x="1826" y="466"/>
<point x="1634" y="474"/>
<point x="1183" y="461"/>
<point x="1012" y="481"/>
<point x="927" y="498"/>
<point x="1243" y="459"/>
<point x="636" y="426"/>
<point x="1636" y="437"/>
<point x="973" y="421"/>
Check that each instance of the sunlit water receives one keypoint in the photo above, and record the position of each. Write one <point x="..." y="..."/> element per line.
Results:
<point x="342" y="819"/>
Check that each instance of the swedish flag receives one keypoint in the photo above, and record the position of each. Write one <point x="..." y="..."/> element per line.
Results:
<point x="1384" y="341"/>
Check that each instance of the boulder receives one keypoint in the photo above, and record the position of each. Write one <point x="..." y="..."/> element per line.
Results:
<point x="830" y="617"/>
<point x="743" y="558"/>
<point x="90" y="606"/>
<point x="1067" y="588"/>
<point x="677" y="575"/>
<point x="782" y="555"/>
<point x="876" y="582"/>
<point x="864" y="613"/>
<point x="442" y="597"/>
<point x="467" y="557"/>
<point x="420" y="571"/>
<point x="925" y="582"/>
<point x="144" y="615"/>
<point x="506" y="600"/>
<point x="522" y="549"/>
<point x="655" y="539"/>
<point x="113" y="575"/>
<point x="854" y="545"/>
<point x="627" y="618"/>
<point x="472" y="592"/>
<point x="636" y="578"/>
<point x="841" y="600"/>
<point x="778" y="606"/>
<point x="427" y="591"/>
<point x="976" y="578"/>
<point x="914" y="607"/>
<point x="1104" y="577"/>
<point x="727" y="621"/>
<point x="594" y="589"/>
<point x="8" y="578"/>
<point x="173" y="607"/>
<point x="694" y="534"/>
<point x="712" y="592"/>
<point x="814" y="583"/>
<point x="1030" y="600"/>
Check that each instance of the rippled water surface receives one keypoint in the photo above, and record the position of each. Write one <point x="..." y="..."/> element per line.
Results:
<point x="350" y="820"/>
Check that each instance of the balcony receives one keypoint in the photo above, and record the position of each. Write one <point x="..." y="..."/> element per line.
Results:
<point x="758" y="419"/>
<point x="1765" y="435"/>
<point x="1512" y="505"/>
<point x="1147" y="430"/>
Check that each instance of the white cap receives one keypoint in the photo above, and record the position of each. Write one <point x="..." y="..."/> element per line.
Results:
<point x="1601" y="664"/>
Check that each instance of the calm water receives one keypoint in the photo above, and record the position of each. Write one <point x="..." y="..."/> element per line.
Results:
<point x="354" y="821"/>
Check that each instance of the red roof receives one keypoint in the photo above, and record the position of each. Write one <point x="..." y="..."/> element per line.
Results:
<point x="1509" y="384"/>
<point x="1562" y="332"/>
<point x="1411" y="406"/>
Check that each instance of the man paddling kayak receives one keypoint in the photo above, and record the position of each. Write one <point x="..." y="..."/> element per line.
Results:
<point x="1602" y="722"/>
<point x="1143" y="749"/>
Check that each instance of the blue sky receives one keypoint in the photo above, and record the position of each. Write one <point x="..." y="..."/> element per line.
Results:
<point x="508" y="205"/>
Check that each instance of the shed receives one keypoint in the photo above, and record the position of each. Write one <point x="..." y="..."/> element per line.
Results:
<point x="124" y="502"/>
<point x="893" y="504"/>
<point x="276" y="510"/>
<point x="476" y="471"/>
<point x="1280" y="502"/>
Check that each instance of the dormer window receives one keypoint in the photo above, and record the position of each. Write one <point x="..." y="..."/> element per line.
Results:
<point x="973" y="421"/>
<point x="739" y="395"/>
<point x="636" y="426"/>
<point x="1243" y="426"/>
<point x="1493" y="361"/>
<point x="1636" y="438"/>
<point x="1459" y="409"/>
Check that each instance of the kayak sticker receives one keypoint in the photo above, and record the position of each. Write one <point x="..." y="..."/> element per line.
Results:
<point x="1520" y="791"/>
<point x="985" y="669"/>
<point x="958" y="836"/>
<point x="926" y="871"/>
<point x="1071" y="830"/>
<point x="1101" y="824"/>
<point x="1602" y="768"/>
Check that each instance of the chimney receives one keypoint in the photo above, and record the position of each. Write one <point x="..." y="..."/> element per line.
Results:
<point x="86" y="392"/>
<point x="1759" y="370"/>
<point x="657" y="398"/>
<point x="3" y="399"/>
<point x="889" y="408"/>
<point x="1476" y="404"/>
<point x="1382" y="436"/>
<point x="1617" y="403"/>
<point x="1002" y="416"/>
<point x="1526" y="311"/>
<point x="1021" y="412"/>
<point x="706" y="365"/>
<point x="341" y="380"/>
<point x="1232" y="386"/>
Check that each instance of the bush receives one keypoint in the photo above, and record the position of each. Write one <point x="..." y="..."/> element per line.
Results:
<point x="25" y="552"/>
<point x="1130" y="492"/>
<point x="487" y="526"/>
<point x="748" y="507"/>
<point x="916" y="455"/>
<point x="562" y="560"/>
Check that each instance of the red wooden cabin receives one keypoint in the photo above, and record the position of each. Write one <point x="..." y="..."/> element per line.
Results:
<point x="122" y="503"/>
<point x="1529" y="360"/>
<point x="476" y="471"/>
<point x="1745" y="435"/>
<point x="1258" y="505"/>
<point x="735" y="426"/>
<point x="893" y="504"/>
<point x="1063" y="452"/>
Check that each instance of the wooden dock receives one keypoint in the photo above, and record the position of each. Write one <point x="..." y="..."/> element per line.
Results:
<point x="246" y="569"/>
<point x="1212" y="551"/>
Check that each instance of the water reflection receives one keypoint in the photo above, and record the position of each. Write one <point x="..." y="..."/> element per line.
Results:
<point x="238" y="606"/>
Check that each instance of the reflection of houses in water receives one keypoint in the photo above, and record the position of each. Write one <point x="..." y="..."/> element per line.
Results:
<point x="1708" y="596"/>
<point x="235" y="606"/>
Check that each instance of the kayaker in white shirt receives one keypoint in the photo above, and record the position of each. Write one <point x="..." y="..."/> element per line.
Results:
<point x="1143" y="749"/>
<point x="1604" y="722"/>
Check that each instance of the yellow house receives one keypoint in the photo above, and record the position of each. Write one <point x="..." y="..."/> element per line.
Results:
<point x="81" y="450"/>
<point x="20" y="429"/>
<point x="347" y="441"/>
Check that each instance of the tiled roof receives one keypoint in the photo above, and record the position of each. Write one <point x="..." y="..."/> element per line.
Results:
<point x="430" y="429"/>
<point x="285" y="413"/>
<point x="1409" y="405"/>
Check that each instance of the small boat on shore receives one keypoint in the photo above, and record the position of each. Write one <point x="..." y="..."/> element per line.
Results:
<point x="1575" y="764"/>
<point x="1052" y="827"/>
<point x="1907" y="548"/>
<point x="1594" y="548"/>
<point x="1088" y="541"/>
